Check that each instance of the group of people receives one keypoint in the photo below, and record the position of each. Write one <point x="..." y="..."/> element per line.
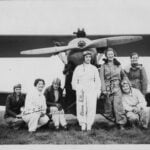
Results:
<point x="123" y="89"/>
<point x="37" y="108"/>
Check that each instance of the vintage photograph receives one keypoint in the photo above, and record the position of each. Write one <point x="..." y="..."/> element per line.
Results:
<point x="74" y="72"/>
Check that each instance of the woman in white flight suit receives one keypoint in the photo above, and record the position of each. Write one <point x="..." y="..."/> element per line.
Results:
<point x="86" y="83"/>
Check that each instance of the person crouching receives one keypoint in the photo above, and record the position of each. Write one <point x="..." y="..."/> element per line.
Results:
<point x="54" y="100"/>
<point x="14" y="103"/>
<point x="34" y="113"/>
<point x="135" y="106"/>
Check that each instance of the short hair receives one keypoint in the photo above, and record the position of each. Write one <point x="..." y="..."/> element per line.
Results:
<point x="110" y="49"/>
<point x="57" y="81"/>
<point x="134" y="53"/>
<point x="38" y="80"/>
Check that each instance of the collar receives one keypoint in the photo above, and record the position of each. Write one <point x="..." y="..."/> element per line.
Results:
<point x="136" y="66"/>
<point x="14" y="94"/>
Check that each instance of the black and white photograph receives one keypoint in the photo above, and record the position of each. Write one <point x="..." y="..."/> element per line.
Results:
<point x="74" y="74"/>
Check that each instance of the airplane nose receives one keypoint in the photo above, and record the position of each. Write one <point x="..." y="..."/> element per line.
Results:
<point x="81" y="44"/>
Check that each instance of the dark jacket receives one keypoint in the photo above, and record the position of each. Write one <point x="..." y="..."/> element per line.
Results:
<point x="138" y="78"/>
<point x="13" y="106"/>
<point x="50" y="98"/>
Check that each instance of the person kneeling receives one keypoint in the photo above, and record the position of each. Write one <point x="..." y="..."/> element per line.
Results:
<point x="34" y="113"/>
<point x="14" y="103"/>
<point x="134" y="104"/>
<point x="54" y="100"/>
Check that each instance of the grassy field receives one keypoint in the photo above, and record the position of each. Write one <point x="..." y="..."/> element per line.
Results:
<point x="103" y="132"/>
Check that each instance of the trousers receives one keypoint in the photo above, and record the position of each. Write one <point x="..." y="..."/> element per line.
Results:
<point x="58" y="117"/>
<point x="86" y="108"/>
<point x="14" y="122"/>
<point x="114" y="108"/>
<point x="35" y="120"/>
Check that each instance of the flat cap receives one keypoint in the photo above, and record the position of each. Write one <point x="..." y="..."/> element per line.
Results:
<point x="17" y="86"/>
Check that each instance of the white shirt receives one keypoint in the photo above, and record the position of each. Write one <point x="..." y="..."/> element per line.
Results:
<point x="86" y="76"/>
<point x="35" y="100"/>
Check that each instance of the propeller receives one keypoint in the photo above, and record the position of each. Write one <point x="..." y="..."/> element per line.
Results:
<point x="83" y="44"/>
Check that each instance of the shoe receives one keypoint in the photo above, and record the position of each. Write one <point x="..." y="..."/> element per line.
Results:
<point x="83" y="127"/>
<point x="89" y="128"/>
<point x="133" y="124"/>
<point x="65" y="127"/>
<point x="121" y="127"/>
<point x="143" y="128"/>
<point x="57" y="128"/>
<point x="32" y="133"/>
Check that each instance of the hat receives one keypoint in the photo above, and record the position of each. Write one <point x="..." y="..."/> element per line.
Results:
<point x="17" y="86"/>
<point x="87" y="53"/>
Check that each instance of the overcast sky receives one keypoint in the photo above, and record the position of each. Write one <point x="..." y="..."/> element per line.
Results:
<point x="65" y="16"/>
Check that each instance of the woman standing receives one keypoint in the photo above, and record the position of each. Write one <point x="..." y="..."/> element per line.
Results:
<point x="34" y="113"/>
<point x="136" y="74"/>
<point x="111" y="74"/>
<point x="86" y="83"/>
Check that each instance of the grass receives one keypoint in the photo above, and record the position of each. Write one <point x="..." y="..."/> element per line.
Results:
<point x="103" y="132"/>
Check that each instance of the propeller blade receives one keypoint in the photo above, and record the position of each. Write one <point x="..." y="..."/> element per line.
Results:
<point x="97" y="43"/>
<point x="105" y="42"/>
<point x="123" y="40"/>
<point x="50" y="50"/>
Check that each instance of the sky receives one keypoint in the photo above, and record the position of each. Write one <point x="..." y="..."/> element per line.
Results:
<point x="63" y="17"/>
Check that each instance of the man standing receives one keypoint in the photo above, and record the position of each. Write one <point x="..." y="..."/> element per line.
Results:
<point x="14" y="103"/>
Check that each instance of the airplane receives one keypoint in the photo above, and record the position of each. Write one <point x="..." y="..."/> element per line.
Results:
<point x="71" y="54"/>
